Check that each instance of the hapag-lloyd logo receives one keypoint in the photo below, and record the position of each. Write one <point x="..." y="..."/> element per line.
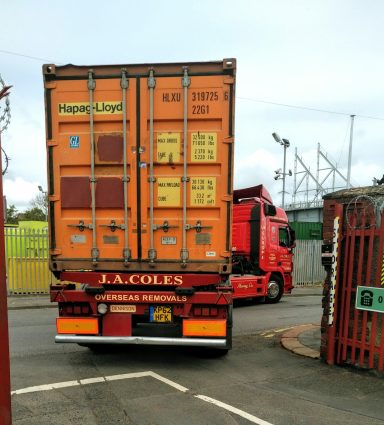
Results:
<point x="144" y="279"/>
<point x="84" y="108"/>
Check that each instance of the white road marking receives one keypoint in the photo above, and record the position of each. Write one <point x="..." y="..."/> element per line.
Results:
<point x="169" y="382"/>
<point x="47" y="387"/>
<point x="91" y="380"/>
<point x="111" y="378"/>
<point x="128" y="376"/>
<point x="232" y="409"/>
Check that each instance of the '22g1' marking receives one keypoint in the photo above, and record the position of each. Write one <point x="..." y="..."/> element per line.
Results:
<point x="205" y="96"/>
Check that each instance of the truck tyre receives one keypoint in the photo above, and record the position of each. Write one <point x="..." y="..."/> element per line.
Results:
<point x="275" y="290"/>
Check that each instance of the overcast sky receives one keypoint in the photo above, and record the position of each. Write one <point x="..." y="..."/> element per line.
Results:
<point x="319" y="54"/>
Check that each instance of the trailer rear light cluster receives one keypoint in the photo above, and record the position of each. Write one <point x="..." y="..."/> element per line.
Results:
<point x="205" y="311"/>
<point x="75" y="309"/>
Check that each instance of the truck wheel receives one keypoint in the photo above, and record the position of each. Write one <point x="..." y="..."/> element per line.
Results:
<point x="275" y="290"/>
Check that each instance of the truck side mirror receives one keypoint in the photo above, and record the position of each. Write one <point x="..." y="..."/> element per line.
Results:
<point x="269" y="210"/>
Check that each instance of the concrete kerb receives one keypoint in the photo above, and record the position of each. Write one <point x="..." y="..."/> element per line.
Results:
<point x="290" y="341"/>
<point x="32" y="301"/>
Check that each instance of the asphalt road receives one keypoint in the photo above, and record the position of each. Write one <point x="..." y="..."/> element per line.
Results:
<point x="257" y="380"/>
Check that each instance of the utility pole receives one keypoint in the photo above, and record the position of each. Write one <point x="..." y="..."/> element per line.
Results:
<point x="350" y="152"/>
<point x="5" y="376"/>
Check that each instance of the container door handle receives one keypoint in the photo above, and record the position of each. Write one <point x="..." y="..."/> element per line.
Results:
<point x="81" y="226"/>
<point x="113" y="226"/>
<point x="198" y="227"/>
<point x="165" y="227"/>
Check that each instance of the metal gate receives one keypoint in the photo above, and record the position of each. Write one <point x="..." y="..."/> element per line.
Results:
<point x="355" y="325"/>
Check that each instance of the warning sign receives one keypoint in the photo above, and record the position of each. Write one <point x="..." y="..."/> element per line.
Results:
<point x="204" y="147"/>
<point x="168" y="147"/>
<point x="168" y="191"/>
<point x="203" y="191"/>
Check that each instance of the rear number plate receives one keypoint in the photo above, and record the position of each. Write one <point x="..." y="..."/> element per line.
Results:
<point x="160" y="313"/>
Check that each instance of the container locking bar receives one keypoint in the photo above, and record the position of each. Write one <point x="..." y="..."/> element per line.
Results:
<point x="151" y="252"/>
<point x="124" y="87"/>
<point x="186" y="81"/>
<point x="91" y="88"/>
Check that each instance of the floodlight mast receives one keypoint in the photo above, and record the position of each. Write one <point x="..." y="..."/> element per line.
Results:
<point x="285" y="143"/>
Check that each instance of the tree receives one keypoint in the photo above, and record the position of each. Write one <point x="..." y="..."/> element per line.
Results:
<point x="40" y="201"/>
<point x="12" y="215"/>
<point x="32" y="214"/>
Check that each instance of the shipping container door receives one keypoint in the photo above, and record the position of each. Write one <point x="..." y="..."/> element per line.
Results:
<point x="186" y="167"/>
<point x="91" y="168"/>
<point x="140" y="168"/>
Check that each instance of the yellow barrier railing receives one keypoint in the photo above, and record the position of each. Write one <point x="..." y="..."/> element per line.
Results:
<point x="29" y="276"/>
<point x="27" y="260"/>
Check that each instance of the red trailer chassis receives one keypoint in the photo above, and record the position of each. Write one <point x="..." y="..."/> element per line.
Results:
<point x="137" y="308"/>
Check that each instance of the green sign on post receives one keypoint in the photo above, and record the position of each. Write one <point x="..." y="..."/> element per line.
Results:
<point x="370" y="299"/>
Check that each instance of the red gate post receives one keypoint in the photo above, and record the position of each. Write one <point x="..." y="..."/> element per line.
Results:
<point x="334" y="289"/>
<point x="5" y="377"/>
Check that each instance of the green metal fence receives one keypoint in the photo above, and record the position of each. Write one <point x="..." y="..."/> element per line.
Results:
<point x="307" y="267"/>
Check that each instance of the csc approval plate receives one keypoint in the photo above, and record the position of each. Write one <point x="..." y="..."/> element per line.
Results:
<point x="160" y="313"/>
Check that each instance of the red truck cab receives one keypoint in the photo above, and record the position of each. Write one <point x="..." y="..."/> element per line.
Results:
<point x="262" y="246"/>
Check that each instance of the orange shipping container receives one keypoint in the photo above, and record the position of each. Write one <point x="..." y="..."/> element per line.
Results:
<point x="140" y="166"/>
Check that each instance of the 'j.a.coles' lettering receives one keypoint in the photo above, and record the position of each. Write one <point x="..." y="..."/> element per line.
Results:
<point x="141" y="279"/>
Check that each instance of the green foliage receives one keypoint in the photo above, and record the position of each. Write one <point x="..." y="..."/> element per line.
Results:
<point x="12" y="215"/>
<point x="32" y="214"/>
